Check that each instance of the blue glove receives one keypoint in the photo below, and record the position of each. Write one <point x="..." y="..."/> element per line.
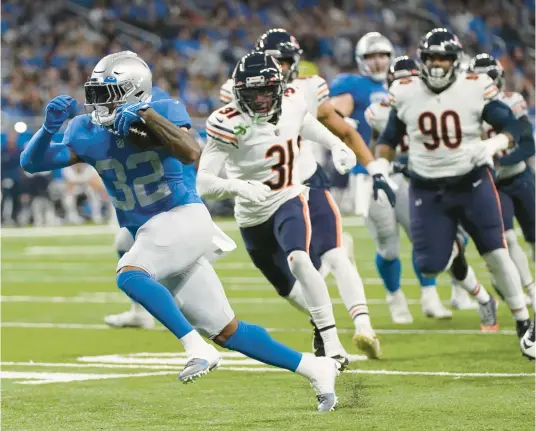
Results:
<point x="127" y="115"/>
<point x="380" y="183"/>
<point x="401" y="168"/>
<point x="57" y="111"/>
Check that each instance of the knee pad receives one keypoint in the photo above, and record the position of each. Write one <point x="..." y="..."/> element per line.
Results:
<point x="511" y="238"/>
<point x="388" y="247"/>
<point x="299" y="260"/>
<point x="335" y="258"/>
<point x="123" y="240"/>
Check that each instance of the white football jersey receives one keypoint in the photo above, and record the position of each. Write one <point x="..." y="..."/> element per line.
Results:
<point x="316" y="91"/>
<point x="264" y="152"/>
<point x="517" y="104"/>
<point x="442" y="128"/>
<point x="377" y="116"/>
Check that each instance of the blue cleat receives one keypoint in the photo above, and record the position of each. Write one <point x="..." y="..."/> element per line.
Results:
<point x="200" y="364"/>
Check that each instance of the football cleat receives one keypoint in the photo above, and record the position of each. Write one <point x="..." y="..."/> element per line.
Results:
<point x="461" y="300"/>
<point x="432" y="306"/>
<point x="366" y="341"/>
<point x="398" y="306"/>
<point x="326" y="402"/>
<point x="488" y="316"/>
<point x="528" y="347"/>
<point x="522" y="326"/>
<point x="323" y="383"/>
<point x="131" y="319"/>
<point x="200" y="364"/>
<point x="343" y="360"/>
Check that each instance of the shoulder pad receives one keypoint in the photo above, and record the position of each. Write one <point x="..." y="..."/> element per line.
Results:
<point x="226" y="92"/>
<point x="490" y="91"/>
<point x="516" y="102"/>
<point x="220" y="126"/>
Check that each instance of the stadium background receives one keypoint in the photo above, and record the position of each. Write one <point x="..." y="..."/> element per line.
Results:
<point x="192" y="46"/>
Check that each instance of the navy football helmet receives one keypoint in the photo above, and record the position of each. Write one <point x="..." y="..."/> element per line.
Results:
<point x="402" y="67"/>
<point x="258" y="86"/>
<point x="485" y="63"/>
<point x="443" y="43"/>
<point x="280" y="44"/>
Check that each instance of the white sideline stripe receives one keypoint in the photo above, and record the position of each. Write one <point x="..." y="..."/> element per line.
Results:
<point x="11" y="232"/>
<point x="41" y="325"/>
<point x="65" y="377"/>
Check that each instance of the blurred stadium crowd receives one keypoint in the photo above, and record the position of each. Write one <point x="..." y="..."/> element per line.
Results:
<point x="192" y="46"/>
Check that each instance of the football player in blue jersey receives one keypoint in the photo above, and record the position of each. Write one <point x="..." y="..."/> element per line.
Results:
<point x="351" y="96"/>
<point x="171" y="226"/>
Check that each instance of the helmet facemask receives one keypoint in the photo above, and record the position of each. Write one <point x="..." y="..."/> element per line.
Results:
<point x="261" y="103"/>
<point x="376" y="65"/>
<point x="436" y="77"/>
<point x="102" y="99"/>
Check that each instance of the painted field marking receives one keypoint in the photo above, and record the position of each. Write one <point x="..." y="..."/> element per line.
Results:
<point x="41" y="325"/>
<point x="171" y="362"/>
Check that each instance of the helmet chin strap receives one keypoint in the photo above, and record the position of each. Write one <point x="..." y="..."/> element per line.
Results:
<point x="102" y="118"/>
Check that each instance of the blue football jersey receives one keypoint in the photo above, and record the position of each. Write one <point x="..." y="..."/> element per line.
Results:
<point x="141" y="182"/>
<point x="364" y="91"/>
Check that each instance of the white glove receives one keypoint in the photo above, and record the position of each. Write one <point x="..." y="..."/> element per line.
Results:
<point x="484" y="151"/>
<point x="344" y="158"/>
<point x="254" y="191"/>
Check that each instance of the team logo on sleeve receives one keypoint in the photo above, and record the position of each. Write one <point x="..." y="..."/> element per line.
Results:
<point x="241" y="129"/>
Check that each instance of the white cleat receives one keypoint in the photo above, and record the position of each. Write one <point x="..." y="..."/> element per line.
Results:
<point x="200" y="363"/>
<point x="461" y="300"/>
<point x="432" y="306"/>
<point x="323" y="382"/>
<point x="367" y="342"/>
<point x="527" y="343"/>
<point x="398" y="306"/>
<point x="131" y="319"/>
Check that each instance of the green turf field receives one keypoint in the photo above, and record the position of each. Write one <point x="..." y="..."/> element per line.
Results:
<point x="62" y="369"/>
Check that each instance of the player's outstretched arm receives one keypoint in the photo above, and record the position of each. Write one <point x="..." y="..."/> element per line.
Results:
<point x="526" y="147"/>
<point x="391" y="137"/>
<point x="211" y="185"/>
<point x="39" y="155"/>
<point x="336" y="124"/>
<point x="178" y="140"/>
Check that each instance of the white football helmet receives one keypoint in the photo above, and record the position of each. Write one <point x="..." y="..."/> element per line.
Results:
<point x="373" y="43"/>
<point x="117" y="79"/>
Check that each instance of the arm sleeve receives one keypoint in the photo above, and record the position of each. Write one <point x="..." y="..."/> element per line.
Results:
<point x="501" y="118"/>
<point x="209" y="183"/>
<point x="525" y="147"/>
<point x="41" y="156"/>
<point x="174" y="111"/>
<point x="314" y="130"/>
<point x="394" y="132"/>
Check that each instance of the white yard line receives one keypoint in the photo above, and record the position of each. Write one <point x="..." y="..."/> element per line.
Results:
<point x="119" y="298"/>
<point x="41" y="325"/>
<point x="9" y="232"/>
<point x="44" y="377"/>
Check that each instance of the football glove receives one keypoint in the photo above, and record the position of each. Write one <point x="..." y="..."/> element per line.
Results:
<point x="126" y="115"/>
<point x="57" y="111"/>
<point x="254" y="191"/>
<point x="344" y="159"/>
<point x="378" y="170"/>
<point x="400" y="168"/>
